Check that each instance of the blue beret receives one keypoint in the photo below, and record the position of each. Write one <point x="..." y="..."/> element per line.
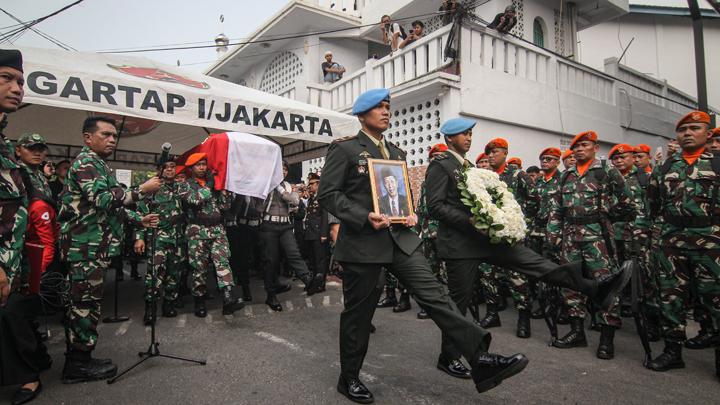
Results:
<point x="456" y="126"/>
<point x="369" y="100"/>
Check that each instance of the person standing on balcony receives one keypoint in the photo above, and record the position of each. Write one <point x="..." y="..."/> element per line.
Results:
<point x="332" y="71"/>
<point x="504" y="22"/>
<point x="393" y="34"/>
<point x="415" y="34"/>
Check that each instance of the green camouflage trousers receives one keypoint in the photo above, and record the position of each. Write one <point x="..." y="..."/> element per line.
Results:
<point x="436" y="265"/>
<point x="595" y="257"/>
<point x="519" y="286"/>
<point x="86" y="291"/>
<point x="648" y="265"/>
<point x="205" y="252"/>
<point x="11" y="250"/>
<point x="683" y="272"/>
<point x="166" y="263"/>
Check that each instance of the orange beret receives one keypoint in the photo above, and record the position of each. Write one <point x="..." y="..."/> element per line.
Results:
<point x="694" y="116"/>
<point x="584" y="136"/>
<point x="515" y="161"/>
<point x="551" y="152"/>
<point x="496" y="143"/>
<point x="642" y="148"/>
<point x="567" y="154"/>
<point x="621" y="148"/>
<point x="480" y="157"/>
<point x="440" y="147"/>
<point x="715" y="132"/>
<point x="194" y="158"/>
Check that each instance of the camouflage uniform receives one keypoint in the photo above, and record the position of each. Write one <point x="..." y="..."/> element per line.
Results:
<point x="13" y="210"/>
<point x="167" y="251"/>
<point x="580" y="227"/>
<point x="427" y="229"/>
<point x="686" y="198"/>
<point x="542" y="195"/>
<point x="91" y="217"/>
<point x="206" y="238"/>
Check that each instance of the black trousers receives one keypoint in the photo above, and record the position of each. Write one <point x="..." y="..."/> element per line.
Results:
<point x="274" y="237"/>
<point x="22" y="354"/>
<point x="243" y="239"/>
<point x="462" y="272"/>
<point x="361" y="293"/>
<point x="319" y="254"/>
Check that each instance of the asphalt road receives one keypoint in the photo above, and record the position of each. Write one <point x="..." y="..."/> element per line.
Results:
<point x="258" y="357"/>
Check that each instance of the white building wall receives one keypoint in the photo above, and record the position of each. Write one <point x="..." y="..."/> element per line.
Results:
<point x="663" y="48"/>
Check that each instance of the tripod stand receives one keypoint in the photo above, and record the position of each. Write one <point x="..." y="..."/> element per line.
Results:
<point x="153" y="350"/>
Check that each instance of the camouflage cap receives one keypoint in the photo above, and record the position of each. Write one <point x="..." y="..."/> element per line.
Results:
<point x="28" y="140"/>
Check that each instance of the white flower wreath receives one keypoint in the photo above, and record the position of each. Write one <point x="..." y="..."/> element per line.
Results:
<point x="493" y="206"/>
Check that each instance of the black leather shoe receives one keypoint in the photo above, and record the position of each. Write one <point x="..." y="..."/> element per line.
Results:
<point x="523" y="324"/>
<point x="246" y="293"/>
<point x="423" y="314"/>
<point x="148" y="318"/>
<point x="491" y="319"/>
<point x="403" y="304"/>
<point x="76" y="371"/>
<point x="489" y="369"/>
<point x="25" y="395"/>
<point x="606" y="348"/>
<point x="390" y="299"/>
<point x="609" y="289"/>
<point x="230" y="303"/>
<point x="316" y="284"/>
<point x="670" y="358"/>
<point x="283" y="288"/>
<point x="574" y="338"/>
<point x="168" y="309"/>
<point x="355" y="390"/>
<point x="454" y="368"/>
<point x="273" y="303"/>
<point x="200" y="310"/>
<point x="703" y="340"/>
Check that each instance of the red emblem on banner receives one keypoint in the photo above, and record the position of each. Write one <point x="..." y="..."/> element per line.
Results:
<point x="159" y="75"/>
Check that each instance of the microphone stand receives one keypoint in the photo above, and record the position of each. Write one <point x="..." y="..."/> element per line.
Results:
<point x="115" y="318"/>
<point x="153" y="350"/>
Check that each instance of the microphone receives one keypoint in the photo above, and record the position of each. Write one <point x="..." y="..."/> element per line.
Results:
<point x="165" y="155"/>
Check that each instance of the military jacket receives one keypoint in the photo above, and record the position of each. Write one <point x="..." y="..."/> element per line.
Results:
<point x="13" y="209"/>
<point x="167" y="203"/>
<point x="521" y="186"/>
<point x="624" y="230"/>
<point x="205" y="208"/>
<point x="585" y="206"/>
<point x="39" y="183"/>
<point x="685" y="201"/>
<point x="427" y="226"/>
<point x="315" y="222"/>
<point x="542" y="194"/>
<point x="92" y="212"/>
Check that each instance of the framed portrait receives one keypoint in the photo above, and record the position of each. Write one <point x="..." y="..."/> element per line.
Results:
<point x="390" y="189"/>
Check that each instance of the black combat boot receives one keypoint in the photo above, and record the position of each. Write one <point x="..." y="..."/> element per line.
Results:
<point x="314" y="284"/>
<point x="273" y="303"/>
<point x="230" y="303"/>
<point x="246" y="293"/>
<point x="574" y="338"/>
<point x="390" y="299"/>
<point x="670" y="358"/>
<point x="653" y="327"/>
<point x="200" y="310"/>
<point x="423" y="314"/>
<point x="704" y="339"/>
<point x="148" y="318"/>
<point x="606" y="348"/>
<point x="523" y="324"/>
<point x="168" y="309"/>
<point x="404" y="303"/>
<point x="492" y="319"/>
<point x="80" y="367"/>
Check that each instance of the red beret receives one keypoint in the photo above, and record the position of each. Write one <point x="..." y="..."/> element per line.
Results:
<point x="515" y="161"/>
<point x="642" y="148"/>
<point x="194" y="158"/>
<point x="496" y="143"/>
<point x="481" y="157"/>
<point x="440" y="147"/>
<point x="551" y="152"/>
<point x="621" y="148"/>
<point x="694" y="116"/>
<point x="715" y="132"/>
<point x="584" y="136"/>
<point x="567" y="154"/>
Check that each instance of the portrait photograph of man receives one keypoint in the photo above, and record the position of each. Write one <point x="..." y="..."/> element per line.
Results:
<point x="391" y="189"/>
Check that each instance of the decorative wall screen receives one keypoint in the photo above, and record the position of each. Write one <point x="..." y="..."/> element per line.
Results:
<point x="281" y="73"/>
<point x="415" y="128"/>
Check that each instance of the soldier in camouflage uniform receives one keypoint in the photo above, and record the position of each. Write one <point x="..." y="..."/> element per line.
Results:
<point x="90" y="217"/>
<point x="684" y="192"/>
<point x="207" y="241"/>
<point x="520" y="185"/>
<point x="167" y="252"/>
<point x="591" y="196"/>
<point x="482" y="161"/>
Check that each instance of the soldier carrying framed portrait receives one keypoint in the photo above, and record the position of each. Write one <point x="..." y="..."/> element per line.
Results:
<point x="390" y="186"/>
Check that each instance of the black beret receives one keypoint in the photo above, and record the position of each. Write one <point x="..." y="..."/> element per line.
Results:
<point x="11" y="58"/>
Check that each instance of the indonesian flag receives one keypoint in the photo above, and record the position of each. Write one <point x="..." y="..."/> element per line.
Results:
<point x="242" y="163"/>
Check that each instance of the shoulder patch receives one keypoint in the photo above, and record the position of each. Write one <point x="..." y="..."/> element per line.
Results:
<point x="344" y="138"/>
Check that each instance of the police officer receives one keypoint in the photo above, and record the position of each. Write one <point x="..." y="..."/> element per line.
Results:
<point x="683" y="191"/>
<point x="316" y="229"/>
<point x="591" y="196"/>
<point x="90" y="219"/>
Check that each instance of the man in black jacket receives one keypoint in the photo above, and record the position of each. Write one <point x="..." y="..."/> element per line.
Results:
<point x="368" y="242"/>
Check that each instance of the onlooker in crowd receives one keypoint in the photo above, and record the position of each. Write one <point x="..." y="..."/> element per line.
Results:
<point x="332" y="71"/>
<point x="449" y="7"/>
<point x="505" y="21"/>
<point x="393" y="34"/>
<point x="48" y="169"/>
<point x="714" y="141"/>
<point x="533" y="172"/>
<point x="642" y="158"/>
<point x="568" y="159"/>
<point x="56" y="186"/>
<point x="415" y="34"/>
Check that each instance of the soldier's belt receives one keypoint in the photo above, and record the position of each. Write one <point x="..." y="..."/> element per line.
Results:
<point x="583" y="220"/>
<point x="205" y="221"/>
<point x="249" y="222"/>
<point x="691" y="222"/>
<point x="277" y="219"/>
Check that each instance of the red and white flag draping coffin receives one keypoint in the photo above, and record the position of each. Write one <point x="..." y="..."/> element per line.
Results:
<point x="242" y="163"/>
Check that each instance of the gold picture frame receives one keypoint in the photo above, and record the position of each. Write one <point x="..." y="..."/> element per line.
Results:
<point x="381" y="173"/>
